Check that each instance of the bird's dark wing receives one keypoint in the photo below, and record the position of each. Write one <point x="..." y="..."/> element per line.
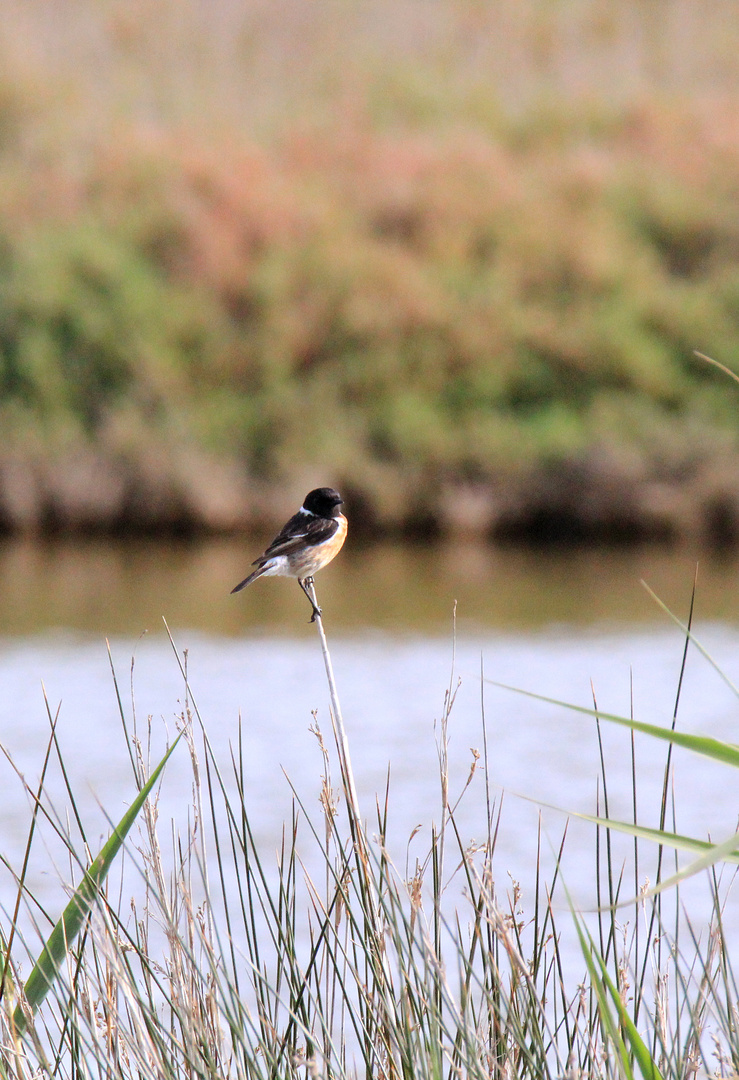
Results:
<point x="300" y="531"/>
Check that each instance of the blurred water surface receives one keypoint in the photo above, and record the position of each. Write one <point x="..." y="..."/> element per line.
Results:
<point x="565" y="625"/>
<point x="110" y="588"/>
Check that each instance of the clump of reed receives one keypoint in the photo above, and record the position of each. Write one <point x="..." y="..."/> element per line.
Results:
<point x="237" y="965"/>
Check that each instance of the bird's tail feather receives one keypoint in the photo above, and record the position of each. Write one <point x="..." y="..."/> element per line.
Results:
<point x="248" y="580"/>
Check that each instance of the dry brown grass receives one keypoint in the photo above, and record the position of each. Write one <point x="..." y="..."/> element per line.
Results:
<point x="257" y="64"/>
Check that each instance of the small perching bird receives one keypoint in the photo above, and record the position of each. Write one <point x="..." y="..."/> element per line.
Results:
<point x="305" y="544"/>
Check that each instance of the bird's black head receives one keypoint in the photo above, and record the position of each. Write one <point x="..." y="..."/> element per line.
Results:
<point x="323" y="501"/>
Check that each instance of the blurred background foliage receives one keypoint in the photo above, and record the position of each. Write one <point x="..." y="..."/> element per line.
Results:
<point x="454" y="258"/>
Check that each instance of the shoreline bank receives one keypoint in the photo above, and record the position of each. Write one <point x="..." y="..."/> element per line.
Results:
<point x="579" y="501"/>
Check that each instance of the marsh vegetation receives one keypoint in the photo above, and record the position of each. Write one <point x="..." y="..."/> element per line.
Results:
<point x="455" y="261"/>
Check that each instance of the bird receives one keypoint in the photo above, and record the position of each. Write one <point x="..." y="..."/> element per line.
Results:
<point x="305" y="544"/>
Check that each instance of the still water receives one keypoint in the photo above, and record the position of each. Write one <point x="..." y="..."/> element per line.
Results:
<point x="124" y="589"/>
<point x="565" y="625"/>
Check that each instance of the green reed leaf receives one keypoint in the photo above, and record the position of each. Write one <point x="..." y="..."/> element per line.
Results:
<point x="63" y="935"/>
<point x="600" y="978"/>
<point x="727" y="753"/>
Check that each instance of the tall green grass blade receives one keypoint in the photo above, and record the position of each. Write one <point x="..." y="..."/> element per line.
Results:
<point x="715" y="749"/>
<point x="647" y="1065"/>
<point x="678" y="841"/>
<point x="690" y="636"/>
<point x="662" y="836"/>
<point x="715" y="853"/>
<point x="607" y="1019"/>
<point x="75" y="913"/>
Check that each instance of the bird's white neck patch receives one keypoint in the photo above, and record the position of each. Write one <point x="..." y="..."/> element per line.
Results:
<point x="308" y="513"/>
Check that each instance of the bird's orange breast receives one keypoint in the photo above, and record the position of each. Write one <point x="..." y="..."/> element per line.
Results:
<point x="337" y="540"/>
<point x="326" y="552"/>
<point x="309" y="560"/>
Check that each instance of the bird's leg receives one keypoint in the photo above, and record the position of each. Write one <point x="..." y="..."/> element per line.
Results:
<point x="304" y="583"/>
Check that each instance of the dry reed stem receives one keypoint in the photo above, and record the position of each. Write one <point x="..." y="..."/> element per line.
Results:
<point x="337" y="722"/>
<point x="358" y="836"/>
